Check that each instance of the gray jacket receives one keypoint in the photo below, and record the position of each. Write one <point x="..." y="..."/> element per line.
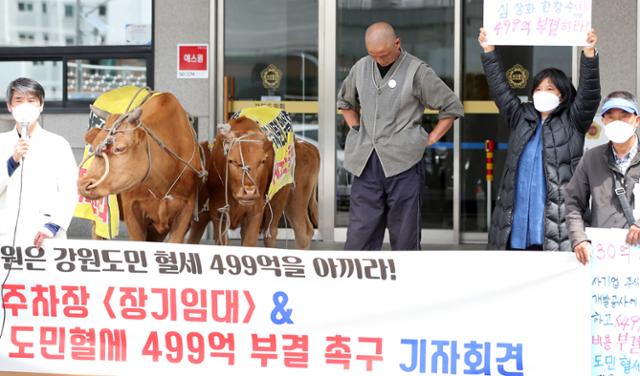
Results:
<point x="593" y="179"/>
<point x="391" y="117"/>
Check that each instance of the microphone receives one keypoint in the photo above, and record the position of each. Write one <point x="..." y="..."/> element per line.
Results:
<point x="24" y="134"/>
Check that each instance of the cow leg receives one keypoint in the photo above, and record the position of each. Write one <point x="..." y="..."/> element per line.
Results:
<point x="153" y="235"/>
<point x="136" y="224"/>
<point x="197" y="228"/>
<point x="302" y="228"/>
<point x="250" y="230"/>
<point x="303" y="201"/>
<point x="272" y="214"/>
<point x="297" y="212"/>
<point x="182" y="221"/>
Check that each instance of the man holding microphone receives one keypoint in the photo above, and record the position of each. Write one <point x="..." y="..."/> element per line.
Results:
<point x="38" y="177"/>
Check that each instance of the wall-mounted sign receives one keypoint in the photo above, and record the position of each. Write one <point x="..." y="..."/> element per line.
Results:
<point x="193" y="61"/>
<point x="517" y="76"/>
<point x="271" y="77"/>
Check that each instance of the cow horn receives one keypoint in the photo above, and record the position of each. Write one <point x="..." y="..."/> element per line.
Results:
<point x="101" y="113"/>
<point x="134" y="115"/>
<point x="224" y="129"/>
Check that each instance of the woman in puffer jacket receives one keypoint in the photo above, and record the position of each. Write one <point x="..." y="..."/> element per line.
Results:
<point x="545" y="144"/>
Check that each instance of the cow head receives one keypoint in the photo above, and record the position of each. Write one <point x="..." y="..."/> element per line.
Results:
<point x="121" y="159"/>
<point x="249" y="160"/>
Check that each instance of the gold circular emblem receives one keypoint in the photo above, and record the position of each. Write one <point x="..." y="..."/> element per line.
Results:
<point x="517" y="76"/>
<point x="594" y="131"/>
<point x="271" y="77"/>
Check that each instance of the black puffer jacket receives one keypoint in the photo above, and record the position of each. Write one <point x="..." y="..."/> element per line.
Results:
<point x="563" y="139"/>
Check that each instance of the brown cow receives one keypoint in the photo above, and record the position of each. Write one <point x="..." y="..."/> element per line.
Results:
<point x="150" y="157"/>
<point x="242" y="161"/>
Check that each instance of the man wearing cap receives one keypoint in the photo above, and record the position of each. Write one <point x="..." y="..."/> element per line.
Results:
<point x="609" y="175"/>
<point x="383" y="101"/>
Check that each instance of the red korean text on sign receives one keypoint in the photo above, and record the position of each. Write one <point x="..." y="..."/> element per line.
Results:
<point x="192" y="58"/>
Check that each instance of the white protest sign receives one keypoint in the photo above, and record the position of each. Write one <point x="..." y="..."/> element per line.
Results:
<point x="537" y="23"/>
<point x="109" y="307"/>
<point x="615" y="290"/>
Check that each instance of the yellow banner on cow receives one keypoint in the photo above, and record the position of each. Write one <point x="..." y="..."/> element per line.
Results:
<point x="104" y="212"/>
<point x="277" y="126"/>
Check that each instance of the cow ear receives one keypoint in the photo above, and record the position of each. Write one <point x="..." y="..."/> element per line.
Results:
<point x="91" y="135"/>
<point x="138" y="135"/>
<point x="135" y="115"/>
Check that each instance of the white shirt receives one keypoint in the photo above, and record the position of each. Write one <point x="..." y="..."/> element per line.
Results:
<point x="49" y="174"/>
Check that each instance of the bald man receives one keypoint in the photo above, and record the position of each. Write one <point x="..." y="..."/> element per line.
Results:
<point x="383" y="100"/>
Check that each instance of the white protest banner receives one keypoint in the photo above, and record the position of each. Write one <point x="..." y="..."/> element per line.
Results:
<point x="537" y="23"/>
<point x="615" y="289"/>
<point x="109" y="307"/>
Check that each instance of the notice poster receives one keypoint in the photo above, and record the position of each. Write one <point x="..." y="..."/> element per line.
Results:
<point x="537" y="22"/>
<point x="615" y="316"/>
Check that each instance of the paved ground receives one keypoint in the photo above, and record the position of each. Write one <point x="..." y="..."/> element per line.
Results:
<point x="80" y="229"/>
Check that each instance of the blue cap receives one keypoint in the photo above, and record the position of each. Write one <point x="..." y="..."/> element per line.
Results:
<point x="620" y="103"/>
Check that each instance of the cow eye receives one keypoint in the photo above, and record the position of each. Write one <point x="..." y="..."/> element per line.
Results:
<point x="234" y="162"/>
<point x="263" y="161"/>
<point x="119" y="149"/>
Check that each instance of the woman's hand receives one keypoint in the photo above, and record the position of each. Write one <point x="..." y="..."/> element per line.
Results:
<point x="482" y="39"/>
<point x="583" y="250"/>
<point x="590" y="49"/>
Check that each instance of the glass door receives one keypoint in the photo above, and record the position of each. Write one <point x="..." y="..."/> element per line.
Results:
<point x="271" y="58"/>
<point x="426" y="30"/>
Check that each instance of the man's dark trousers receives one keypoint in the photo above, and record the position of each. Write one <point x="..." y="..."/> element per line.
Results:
<point x="378" y="202"/>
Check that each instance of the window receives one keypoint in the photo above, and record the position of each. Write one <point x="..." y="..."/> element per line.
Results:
<point x="79" y="52"/>
<point x="86" y="80"/>
<point x="26" y="37"/>
<point x="68" y="10"/>
<point x="46" y="72"/>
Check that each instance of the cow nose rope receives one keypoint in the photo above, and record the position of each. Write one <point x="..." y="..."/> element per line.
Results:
<point x="267" y="231"/>
<point x="106" y="172"/>
<point x="106" y="168"/>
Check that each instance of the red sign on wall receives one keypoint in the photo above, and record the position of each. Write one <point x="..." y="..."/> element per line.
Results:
<point x="193" y="61"/>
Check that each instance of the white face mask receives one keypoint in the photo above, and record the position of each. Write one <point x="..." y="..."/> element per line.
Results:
<point x="619" y="131"/>
<point x="26" y="113"/>
<point x="545" y="101"/>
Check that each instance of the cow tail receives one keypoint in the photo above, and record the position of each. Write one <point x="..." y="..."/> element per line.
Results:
<point x="313" y="206"/>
